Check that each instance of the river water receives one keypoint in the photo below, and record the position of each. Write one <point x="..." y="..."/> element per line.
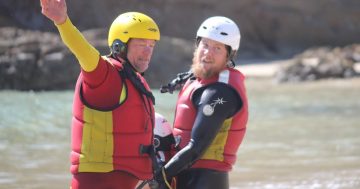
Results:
<point x="300" y="136"/>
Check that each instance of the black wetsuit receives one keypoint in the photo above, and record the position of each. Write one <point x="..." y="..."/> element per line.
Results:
<point x="204" y="130"/>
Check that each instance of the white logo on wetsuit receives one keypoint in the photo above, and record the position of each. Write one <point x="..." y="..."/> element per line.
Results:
<point x="208" y="109"/>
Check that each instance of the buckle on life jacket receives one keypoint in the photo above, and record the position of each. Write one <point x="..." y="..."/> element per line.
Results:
<point x="177" y="142"/>
<point x="148" y="149"/>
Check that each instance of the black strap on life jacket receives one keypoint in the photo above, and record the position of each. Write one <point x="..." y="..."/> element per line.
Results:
<point x="150" y="150"/>
<point x="129" y="73"/>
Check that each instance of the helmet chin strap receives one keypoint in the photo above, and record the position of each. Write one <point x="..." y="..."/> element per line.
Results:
<point x="230" y="63"/>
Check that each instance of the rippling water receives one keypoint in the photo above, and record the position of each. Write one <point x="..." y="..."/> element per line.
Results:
<point x="299" y="136"/>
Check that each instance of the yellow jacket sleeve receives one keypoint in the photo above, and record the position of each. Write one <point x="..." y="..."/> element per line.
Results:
<point x="86" y="54"/>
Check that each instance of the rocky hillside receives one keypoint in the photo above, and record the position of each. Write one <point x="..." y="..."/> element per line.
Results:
<point x="32" y="56"/>
<point x="320" y="63"/>
<point x="34" y="60"/>
<point x="271" y="25"/>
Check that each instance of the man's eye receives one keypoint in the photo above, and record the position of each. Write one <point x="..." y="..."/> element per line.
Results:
<point x="205" y="45"/>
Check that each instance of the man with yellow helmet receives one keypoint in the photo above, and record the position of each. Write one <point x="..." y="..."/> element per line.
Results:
<point x="113" y="113"/>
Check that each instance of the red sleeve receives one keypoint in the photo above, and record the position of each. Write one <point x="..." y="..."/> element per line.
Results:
<point x="97" y="76"/>
<point x="101" y="88"/>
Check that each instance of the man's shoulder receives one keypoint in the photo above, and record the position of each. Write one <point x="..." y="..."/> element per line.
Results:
<point x="235" y="71"/>
<point x="113" y="62"/>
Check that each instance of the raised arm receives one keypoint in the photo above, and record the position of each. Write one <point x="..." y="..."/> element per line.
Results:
<point x="55" y="10"/>
<point x="86" y="54"/>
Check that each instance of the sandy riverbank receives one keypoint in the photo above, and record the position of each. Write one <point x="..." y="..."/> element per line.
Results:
<point x="265" y="69"/>
<point x="269" y="69"/>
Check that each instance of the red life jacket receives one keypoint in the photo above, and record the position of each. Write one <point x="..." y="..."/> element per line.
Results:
<point x="221" y="154"/>
<point x="103" y="141"/>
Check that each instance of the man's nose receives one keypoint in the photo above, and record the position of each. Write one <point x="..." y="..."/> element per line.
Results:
<point x="148" y="49"/>
<point x="208" y="52"/>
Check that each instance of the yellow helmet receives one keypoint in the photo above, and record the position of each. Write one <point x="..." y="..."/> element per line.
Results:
<point x="133" y="25"/>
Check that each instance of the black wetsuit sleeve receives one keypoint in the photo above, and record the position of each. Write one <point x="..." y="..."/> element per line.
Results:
<point x="214" y="104"/>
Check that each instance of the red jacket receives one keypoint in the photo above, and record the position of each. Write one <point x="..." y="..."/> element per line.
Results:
<point x="109" y="139"/>
<point x="221" y="154"/>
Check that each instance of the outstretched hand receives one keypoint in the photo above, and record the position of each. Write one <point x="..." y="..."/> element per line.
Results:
<point x="55" y="10"/>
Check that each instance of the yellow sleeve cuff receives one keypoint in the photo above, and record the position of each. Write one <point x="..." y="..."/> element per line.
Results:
<point x="86" y="54"/>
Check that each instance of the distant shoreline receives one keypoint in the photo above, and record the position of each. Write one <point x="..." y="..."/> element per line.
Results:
<point x="265" y="69"/>
<point x="269" y="69"/>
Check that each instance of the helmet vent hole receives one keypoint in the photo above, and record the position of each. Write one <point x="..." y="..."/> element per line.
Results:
<point x="125" y="32"/>
<point x="223" y="33"/>
<point x="204" y="27"/>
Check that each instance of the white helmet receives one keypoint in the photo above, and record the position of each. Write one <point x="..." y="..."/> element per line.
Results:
<point x="162" y="126"/>
<point x="163" y="137"/>
<point x="221" y="29"/>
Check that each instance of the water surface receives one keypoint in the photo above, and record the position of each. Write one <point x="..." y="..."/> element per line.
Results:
<point x="299" y="136"/>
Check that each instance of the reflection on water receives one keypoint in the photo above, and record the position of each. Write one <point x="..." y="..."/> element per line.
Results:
<point x="299" y="136"/>
<point x="34" y="139"/>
